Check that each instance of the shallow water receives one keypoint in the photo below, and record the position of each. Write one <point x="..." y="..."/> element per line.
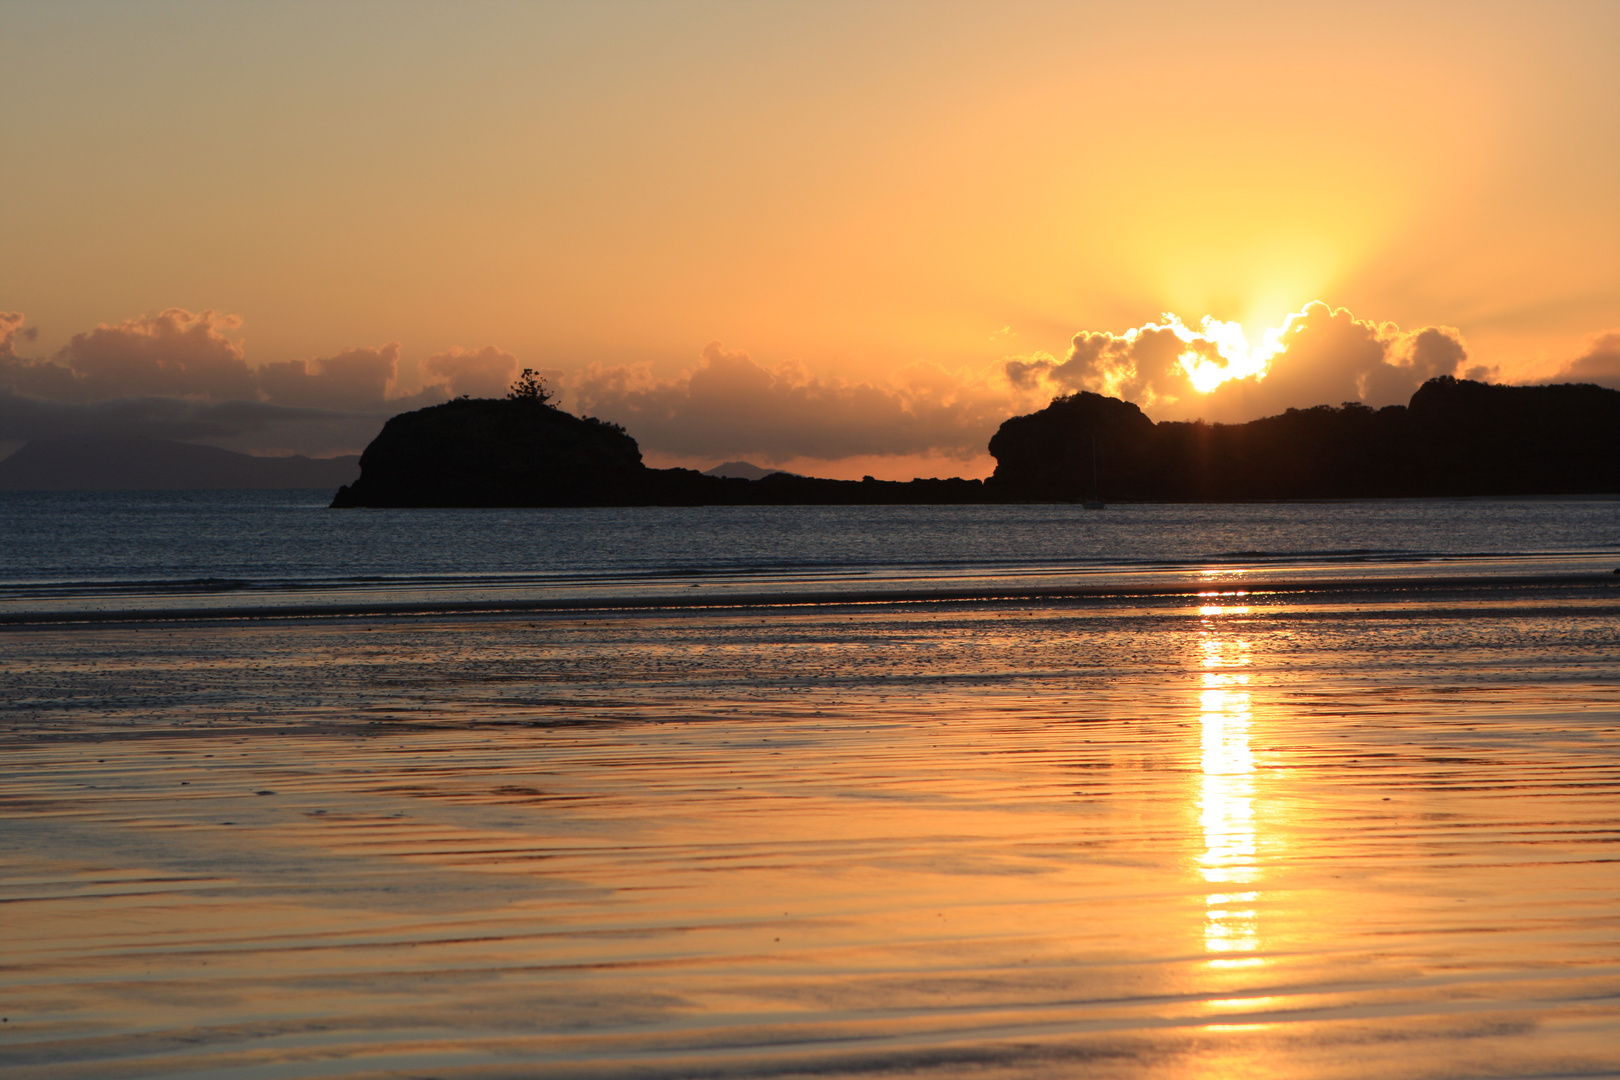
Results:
<point x="100" y="554"/>
<point x="1364" y="831"/>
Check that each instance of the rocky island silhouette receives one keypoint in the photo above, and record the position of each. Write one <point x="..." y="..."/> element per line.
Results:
<point x="1454" y="438"/>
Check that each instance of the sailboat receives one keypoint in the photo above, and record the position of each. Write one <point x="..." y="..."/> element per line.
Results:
<point x="1095" y="502"/>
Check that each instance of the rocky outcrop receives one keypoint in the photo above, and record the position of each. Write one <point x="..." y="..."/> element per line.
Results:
<point x="1455" y="438"/>
<point x="481" y="452"/>
<point x="521" y="452"/>
<point x="1064" y="451"/>
<point x="1476" y="439"/>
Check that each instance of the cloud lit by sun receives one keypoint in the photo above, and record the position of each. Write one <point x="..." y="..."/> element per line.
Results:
<point x="1214" y="352"/>
<point x="902" y="253"/>
<point x="1233" y="357"/>
<point x="1320" y="354"/>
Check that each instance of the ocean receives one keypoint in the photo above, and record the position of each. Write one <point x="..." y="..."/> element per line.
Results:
<point x="1304" y="790"/>
<point x="108" y="552"/>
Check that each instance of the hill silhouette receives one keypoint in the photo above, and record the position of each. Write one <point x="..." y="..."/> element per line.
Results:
<point x="136" y="464"/>
<point x="525" y="452"/>
<point x="1454" y="438"/>
<point x="742" y="470"/>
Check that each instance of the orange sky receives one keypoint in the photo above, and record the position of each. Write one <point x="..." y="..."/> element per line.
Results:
<point x="900" y="196"/>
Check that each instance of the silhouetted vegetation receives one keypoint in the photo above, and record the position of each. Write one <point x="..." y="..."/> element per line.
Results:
<point x="485" y="452"/>
<point x="530" y="387"/>
<point x="507" y="453"/>
<point x="1454" y="438"/>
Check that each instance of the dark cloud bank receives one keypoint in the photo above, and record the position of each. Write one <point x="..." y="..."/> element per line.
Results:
<point x="731" y="406"/>
<point x="181" y="375"/>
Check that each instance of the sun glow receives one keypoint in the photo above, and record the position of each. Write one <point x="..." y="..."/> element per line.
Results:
<point x="1218" y="351"/>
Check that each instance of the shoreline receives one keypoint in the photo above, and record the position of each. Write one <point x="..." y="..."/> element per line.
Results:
<point x="1607" y="585"/>
<point x="832" y="838"/>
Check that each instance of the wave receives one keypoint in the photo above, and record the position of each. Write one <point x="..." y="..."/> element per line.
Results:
<point x="256" y="551"/>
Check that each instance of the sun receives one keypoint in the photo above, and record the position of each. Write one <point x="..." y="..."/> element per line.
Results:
<point x="1219" y="351"/>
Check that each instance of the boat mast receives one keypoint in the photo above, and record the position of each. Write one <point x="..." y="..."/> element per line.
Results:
<point x="1096" y="488"/>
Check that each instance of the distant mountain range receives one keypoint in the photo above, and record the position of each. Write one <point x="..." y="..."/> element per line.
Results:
<point x="742" y="470"/>
<point x="134" y="464"/>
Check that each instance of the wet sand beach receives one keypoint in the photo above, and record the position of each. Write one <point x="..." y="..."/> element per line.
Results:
<point x="1350" y="832"/>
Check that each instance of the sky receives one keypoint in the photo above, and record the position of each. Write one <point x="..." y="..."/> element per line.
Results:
<point x="841" y="238"/>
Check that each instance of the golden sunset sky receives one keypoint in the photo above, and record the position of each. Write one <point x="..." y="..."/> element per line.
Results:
<point x="726" y="223"/>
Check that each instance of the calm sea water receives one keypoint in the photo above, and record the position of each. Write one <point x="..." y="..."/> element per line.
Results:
<point x="1345" y="828"/>
<point x="1364" y="836"/>
<point x="84" y="551"/>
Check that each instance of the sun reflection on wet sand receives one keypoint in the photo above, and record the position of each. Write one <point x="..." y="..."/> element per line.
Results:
<point x="1226" y="805"/>
<point x="985" y="839"/>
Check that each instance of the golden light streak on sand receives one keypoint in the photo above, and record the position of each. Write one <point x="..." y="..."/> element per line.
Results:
<point x="1226" y="802"/>
<point x="1009" y="840"/>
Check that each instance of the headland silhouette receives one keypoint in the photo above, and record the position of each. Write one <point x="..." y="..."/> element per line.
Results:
<point x="1454" y="438"/>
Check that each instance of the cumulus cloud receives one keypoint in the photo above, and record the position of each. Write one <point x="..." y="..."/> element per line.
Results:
<point x="1321" y="355"/>
<point x="353" y="380"/>
<point x="731" y="406"/>
<point x="479" y="373"/>
<point x="1598" y="363"/>
<point x="181" y="354"/>
<point x="39" y="378"/>
<point x="11" y="329"/>
<point x="173" y="353"/>
<point x="179" y="374"/>
<point x="1129" y="365"/>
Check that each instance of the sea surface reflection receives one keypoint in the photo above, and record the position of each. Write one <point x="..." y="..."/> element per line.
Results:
<point x="1229" y="864"/>
<point x="1321" y="834"/>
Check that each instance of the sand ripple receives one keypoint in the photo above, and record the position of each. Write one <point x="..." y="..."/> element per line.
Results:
<point x="1367" y="835"/>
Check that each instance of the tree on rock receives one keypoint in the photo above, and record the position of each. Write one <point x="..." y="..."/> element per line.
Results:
<point x="530" y="387"/>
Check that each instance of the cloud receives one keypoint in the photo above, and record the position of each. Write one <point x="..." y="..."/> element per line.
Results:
<point x="485" y="372"/>
<point x="181" y="354"/>
<point x="11" y="328"/>
<point x="1128" y="366"/>
<point x="353" y="380"/>
<point x="731" y="406"/>
<point x="1320" y="355"/>
<point x="1598" y="363"/>
<point x="177" y="374"/>
<point x="173" y="353"/>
